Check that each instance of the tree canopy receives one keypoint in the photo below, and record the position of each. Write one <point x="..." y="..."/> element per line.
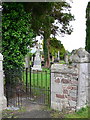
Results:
<point x="55" y="46"/>
<point x="16" y="34"/>
<point x="18" y="25"/>
<point x="44" y="15"/>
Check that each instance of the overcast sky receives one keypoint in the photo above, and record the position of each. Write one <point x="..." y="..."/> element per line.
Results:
<point x="77" y="38"/>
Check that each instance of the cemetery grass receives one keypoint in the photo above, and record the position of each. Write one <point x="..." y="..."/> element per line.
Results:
<point x="82" y="113"/>
<point x="38" y="79"/>
<point x="62" y="62"/>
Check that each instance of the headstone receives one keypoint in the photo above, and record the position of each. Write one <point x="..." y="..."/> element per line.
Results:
<point x="52" y="58"/>
<point x="58" y="55"/>
<point x="56" y="60"/>
<point x="27" y="61"/>
<point x="37" y="60"/>
<point x="66" y="59"/>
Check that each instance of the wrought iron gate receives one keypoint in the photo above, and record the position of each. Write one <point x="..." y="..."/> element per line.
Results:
<point x="33" y="86"/>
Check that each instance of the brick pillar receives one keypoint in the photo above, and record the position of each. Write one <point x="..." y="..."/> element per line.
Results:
<point x="3" y="101"/>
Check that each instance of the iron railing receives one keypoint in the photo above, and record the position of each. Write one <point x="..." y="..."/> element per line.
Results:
<point x="28" y="85"/>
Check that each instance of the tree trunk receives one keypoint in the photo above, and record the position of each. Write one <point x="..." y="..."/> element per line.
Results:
<point x="47" y="63"/>
<point x="46" y="48"/>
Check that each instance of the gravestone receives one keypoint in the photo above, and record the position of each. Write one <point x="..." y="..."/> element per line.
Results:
<point x="56" y="60"/>
<point x="58" y="55"/>
<point x="27" y="61"/>
<point x="52" y="58"/>
<point x="37" y="60"/>
<point x="66" y="59"/>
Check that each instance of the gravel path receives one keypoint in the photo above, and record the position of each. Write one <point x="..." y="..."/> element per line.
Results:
<point x="34" y="111"/>
<point x="31" y="110"/>
<point x="34" y="114"/>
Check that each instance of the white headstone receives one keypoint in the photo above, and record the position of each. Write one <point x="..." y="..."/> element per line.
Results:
<point x="37" y="61"/>
<point x="66" y="59"/>
<point x="27" y="61"/>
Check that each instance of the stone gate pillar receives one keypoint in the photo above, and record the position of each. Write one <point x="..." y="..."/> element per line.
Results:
<point x="3" y="101"/>
<point x="82" y="59"/>
<point x="83" y="81"/>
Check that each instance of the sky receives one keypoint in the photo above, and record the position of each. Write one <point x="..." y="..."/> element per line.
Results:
<point x="78" y="36"/>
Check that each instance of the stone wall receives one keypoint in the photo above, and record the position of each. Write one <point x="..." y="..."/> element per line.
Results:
<point x="70" y="83"/>
<point x="64" y="82"/>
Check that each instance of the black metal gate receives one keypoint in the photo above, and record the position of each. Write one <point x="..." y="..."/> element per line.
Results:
<point x="33" y="86"/>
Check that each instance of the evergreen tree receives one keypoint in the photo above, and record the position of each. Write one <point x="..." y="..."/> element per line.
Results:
<point x="88" y="28"/>
<point x="17" y="36"/>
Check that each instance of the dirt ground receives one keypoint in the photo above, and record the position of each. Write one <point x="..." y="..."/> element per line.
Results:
<point x="32" y="110"/>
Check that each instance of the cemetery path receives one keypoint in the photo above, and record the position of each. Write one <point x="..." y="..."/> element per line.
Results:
<point x="33" y="111"/>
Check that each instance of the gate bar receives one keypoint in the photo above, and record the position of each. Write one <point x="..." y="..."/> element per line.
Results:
<point x="30" y="80"/>
<point x="26" y="79"/>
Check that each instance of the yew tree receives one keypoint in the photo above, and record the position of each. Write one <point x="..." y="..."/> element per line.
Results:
<point x="88" y="28"/>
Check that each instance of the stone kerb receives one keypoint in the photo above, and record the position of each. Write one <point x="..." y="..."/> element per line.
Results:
<point x="3" y="102"/>
<point x="64" y="80"/>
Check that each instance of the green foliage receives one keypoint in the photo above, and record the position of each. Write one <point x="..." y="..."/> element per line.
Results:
<point x="55" y="46"/>
<point x="17" y="34"/>
<point x="88" y="28"/>
<point x="39" y="79"/>
<point x="55" y="43"/>
<point x="44" y="15"/>
<point x="40" y="14"/>
<point x="82" y="113"/>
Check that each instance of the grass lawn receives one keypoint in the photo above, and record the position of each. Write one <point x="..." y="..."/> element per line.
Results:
<point x="82" y="113"/>
<point x="62" y="62"/>
<point x="38" y="78"/>
<point x="40" y="83"/>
